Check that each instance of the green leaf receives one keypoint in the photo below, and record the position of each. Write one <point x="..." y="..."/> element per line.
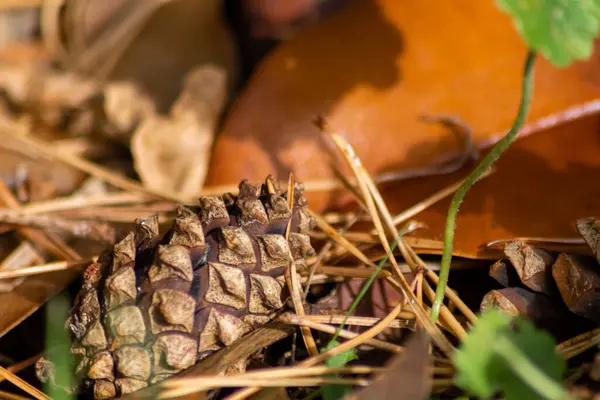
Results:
<point x="335" y="392"/>
<point x="340" y="360"/>
<point x="475" y="361"/>
<point x="511" y="355"/>
<point x="562" y="30"/>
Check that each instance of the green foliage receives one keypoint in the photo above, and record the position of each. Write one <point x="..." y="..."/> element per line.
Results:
<point x="511" y="355"/>
<point x="335" y="392"/>
<point x="562" y="30"/>
<point x="57" y="338"/>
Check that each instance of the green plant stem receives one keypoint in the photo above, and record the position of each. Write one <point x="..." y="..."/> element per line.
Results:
<point x="522" y="366"/>
<point x="366" y="287"/>
<point x="483" y="166"/>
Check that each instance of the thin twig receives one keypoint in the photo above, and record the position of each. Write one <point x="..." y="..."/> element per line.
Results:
<point x="291" y="278"/>
<point x="264" y="382"/>
<point x="376" y="204"/>
<point x="11" y="396"/>
<point x="578" y="344"/>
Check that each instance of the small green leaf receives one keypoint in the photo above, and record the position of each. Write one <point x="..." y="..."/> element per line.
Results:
<point x="341" y="359"/>
<point x="487" y="360"/>
<point x="336" y="392"/>
<point x="562" y="30"/>
<point x="475" y="361"/>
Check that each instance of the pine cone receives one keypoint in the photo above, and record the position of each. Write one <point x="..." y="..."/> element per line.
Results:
<point x="151" y="307"/>
<point x="546" y="286"/>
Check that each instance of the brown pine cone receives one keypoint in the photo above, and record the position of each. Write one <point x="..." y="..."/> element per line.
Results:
<point x="151" y="306"/>
<point x="539" y="283"/>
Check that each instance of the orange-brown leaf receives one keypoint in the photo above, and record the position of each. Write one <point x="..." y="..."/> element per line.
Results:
<point x="372" y="70"/>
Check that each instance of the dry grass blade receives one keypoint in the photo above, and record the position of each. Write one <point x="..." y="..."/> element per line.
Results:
<point x="350" y="344"/>
<point x="291" y="278"/>
<point x="11" y="396"/>
<point x="370" y="196"/>
<point x="94" y="230"/>
<point x="324" y="250"/>
<point x="342" y="241"/>
<point x="408" y="254"/>
<point x="75" y="202"/>
<point x="16" y="368"/>
<point x="567" y="241"/>
<point x="21" y="384"/>
<point x="282" y="376"/>
<point x="578" y="344"/>
<point x="9" y="5"/>
<point x="264" y="382"/>
<point x="280" y="372"/>
<point x="406" y="319"/>
<point x="456" y="300"/>
<point x="352" y="272"/>
<point x="43" y="269"/>
<point x="304" y="321"/>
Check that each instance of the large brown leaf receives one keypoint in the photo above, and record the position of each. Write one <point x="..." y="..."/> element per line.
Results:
<point x="372" y="70"/>
<point x="543" y="184"/>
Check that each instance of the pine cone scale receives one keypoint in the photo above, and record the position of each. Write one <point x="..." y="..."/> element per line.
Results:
<point x="154" y="306"/>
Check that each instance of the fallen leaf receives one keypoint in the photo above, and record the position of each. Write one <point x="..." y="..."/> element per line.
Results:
<point x="404" y="377"/>
<point x="372" y="70"/>
<point x="542" y="185"/>
<point x="29" y="296"/>
<point x="172" y="153"/>
<point x="23" y="256"/>
<point x="154" y="44"/>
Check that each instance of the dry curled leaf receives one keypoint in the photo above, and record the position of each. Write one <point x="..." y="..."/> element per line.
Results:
<point x="67" y="102"/>
<point x="377" y="93"/>
<point x="172" y="153"/>
<point x="152" y="43"/>
<point x="23" y="256"/>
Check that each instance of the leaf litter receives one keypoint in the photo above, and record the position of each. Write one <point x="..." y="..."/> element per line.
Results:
<point x="48" y="258"/>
